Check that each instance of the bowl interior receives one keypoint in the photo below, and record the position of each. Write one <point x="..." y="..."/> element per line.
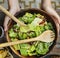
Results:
<point x="47" y="16"/>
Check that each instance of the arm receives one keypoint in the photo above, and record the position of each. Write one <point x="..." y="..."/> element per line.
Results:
<point x="46" y="5"/>
<point x="14" y="7"/>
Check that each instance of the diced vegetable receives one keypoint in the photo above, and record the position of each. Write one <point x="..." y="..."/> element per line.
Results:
<point x="24" y="52"/>
<point x="33" y="29"/>
<point x="42" y="48"/>
<point x="24" y="49"/>
<point x="12" y="33"/>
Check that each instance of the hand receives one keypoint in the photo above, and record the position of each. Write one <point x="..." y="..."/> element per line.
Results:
<point x="53" y="13"/>
<point x="14" y="7"/>
<point x="6" y="23"/>
<point x="7" y="19"/>
<point x="48" y="8"/>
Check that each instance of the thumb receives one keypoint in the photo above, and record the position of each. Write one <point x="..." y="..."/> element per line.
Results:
<point x="5" y="28"/>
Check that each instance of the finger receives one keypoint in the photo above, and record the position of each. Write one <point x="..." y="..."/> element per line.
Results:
<point x="5" y="29"/>
<point x="57" y="24"/>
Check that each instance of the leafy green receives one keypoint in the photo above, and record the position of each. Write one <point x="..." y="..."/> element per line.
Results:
<point x="33" y="29"/>
<point x="22" y="35"/>
<point x="24" y="49"/>
<point x="27" y="18"/>
<point x="42" y="48"/>
<point x="12" y="33"/>
<point x="32" y="48"/>
<point x="31" y="34"/>
<point x="24" y="52"/>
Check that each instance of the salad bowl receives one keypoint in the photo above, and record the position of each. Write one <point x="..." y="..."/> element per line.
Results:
<point x="48" y="18"/>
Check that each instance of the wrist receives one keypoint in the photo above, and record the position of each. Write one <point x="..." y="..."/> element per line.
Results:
<point x="45" y="7"/>
<point x="53" y="13"/>
<point x="13" y="10"/>
<point x="14" y="4"/>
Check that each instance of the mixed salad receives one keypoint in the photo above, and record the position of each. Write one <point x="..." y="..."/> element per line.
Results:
<point x="36" y="25"/>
